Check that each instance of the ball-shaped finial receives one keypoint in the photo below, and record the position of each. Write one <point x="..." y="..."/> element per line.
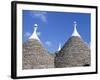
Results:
<point x="75" y="22"/>
<point x="35" y="25"/>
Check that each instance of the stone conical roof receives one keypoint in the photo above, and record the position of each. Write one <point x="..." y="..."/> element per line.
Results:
<point x="74" y="53"/>
<point x="35" y="56"/>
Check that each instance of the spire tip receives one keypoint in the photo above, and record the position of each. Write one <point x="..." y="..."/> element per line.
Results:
<point x="34" y="34"/>
<point x="59" y="48"/>
<point x="35" y="25"/>
<point x="75" y="32"/>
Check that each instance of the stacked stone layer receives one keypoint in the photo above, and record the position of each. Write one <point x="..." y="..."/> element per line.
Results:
<point x="35" y="56"/>
<point x="74" y="53"/>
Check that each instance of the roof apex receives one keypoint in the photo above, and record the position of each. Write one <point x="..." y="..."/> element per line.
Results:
<point x="59" y="48"/>
<point x="34" y="34"/>
<point x="75" y="32"/>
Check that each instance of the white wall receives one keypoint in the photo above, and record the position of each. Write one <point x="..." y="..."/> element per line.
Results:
<point x="5" y="37"/>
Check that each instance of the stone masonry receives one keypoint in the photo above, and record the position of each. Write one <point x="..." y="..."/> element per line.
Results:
<point x="35" y="56"/>
<point x="74" y="53"/>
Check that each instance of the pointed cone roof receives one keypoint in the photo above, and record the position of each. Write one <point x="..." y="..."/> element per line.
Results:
<point x="34" y="34"/>
<point x="59" y="48"/>
<point x="35" y="56"/>
<point x="75" y="32"/>
<point x="74" y="53"/>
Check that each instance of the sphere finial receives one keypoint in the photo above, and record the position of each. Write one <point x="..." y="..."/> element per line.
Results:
<point x="75" y="32"/>
<point x="35" y="25"/>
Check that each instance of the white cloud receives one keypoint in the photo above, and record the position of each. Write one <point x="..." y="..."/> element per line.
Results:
<point x="48" y="43"/>
<point x="27" y="34"/>
<point x="40" y="15"/>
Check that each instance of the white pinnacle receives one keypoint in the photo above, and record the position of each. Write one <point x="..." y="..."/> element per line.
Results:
<point x="75" y="32"/>
<point x="34" y="34"/>
<point x="59" y="48"/>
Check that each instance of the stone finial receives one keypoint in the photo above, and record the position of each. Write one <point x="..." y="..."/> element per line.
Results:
<point x="59" y="48"/>
<point x="75" y="32"/>
<point x="34" y="34"/>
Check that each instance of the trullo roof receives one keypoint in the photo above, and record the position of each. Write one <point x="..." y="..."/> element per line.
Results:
<point x="74" y="53"/>
<point x="35" y="56"/>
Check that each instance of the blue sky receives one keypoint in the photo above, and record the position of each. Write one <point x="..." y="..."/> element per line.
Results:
<point x="55" y="27"/>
